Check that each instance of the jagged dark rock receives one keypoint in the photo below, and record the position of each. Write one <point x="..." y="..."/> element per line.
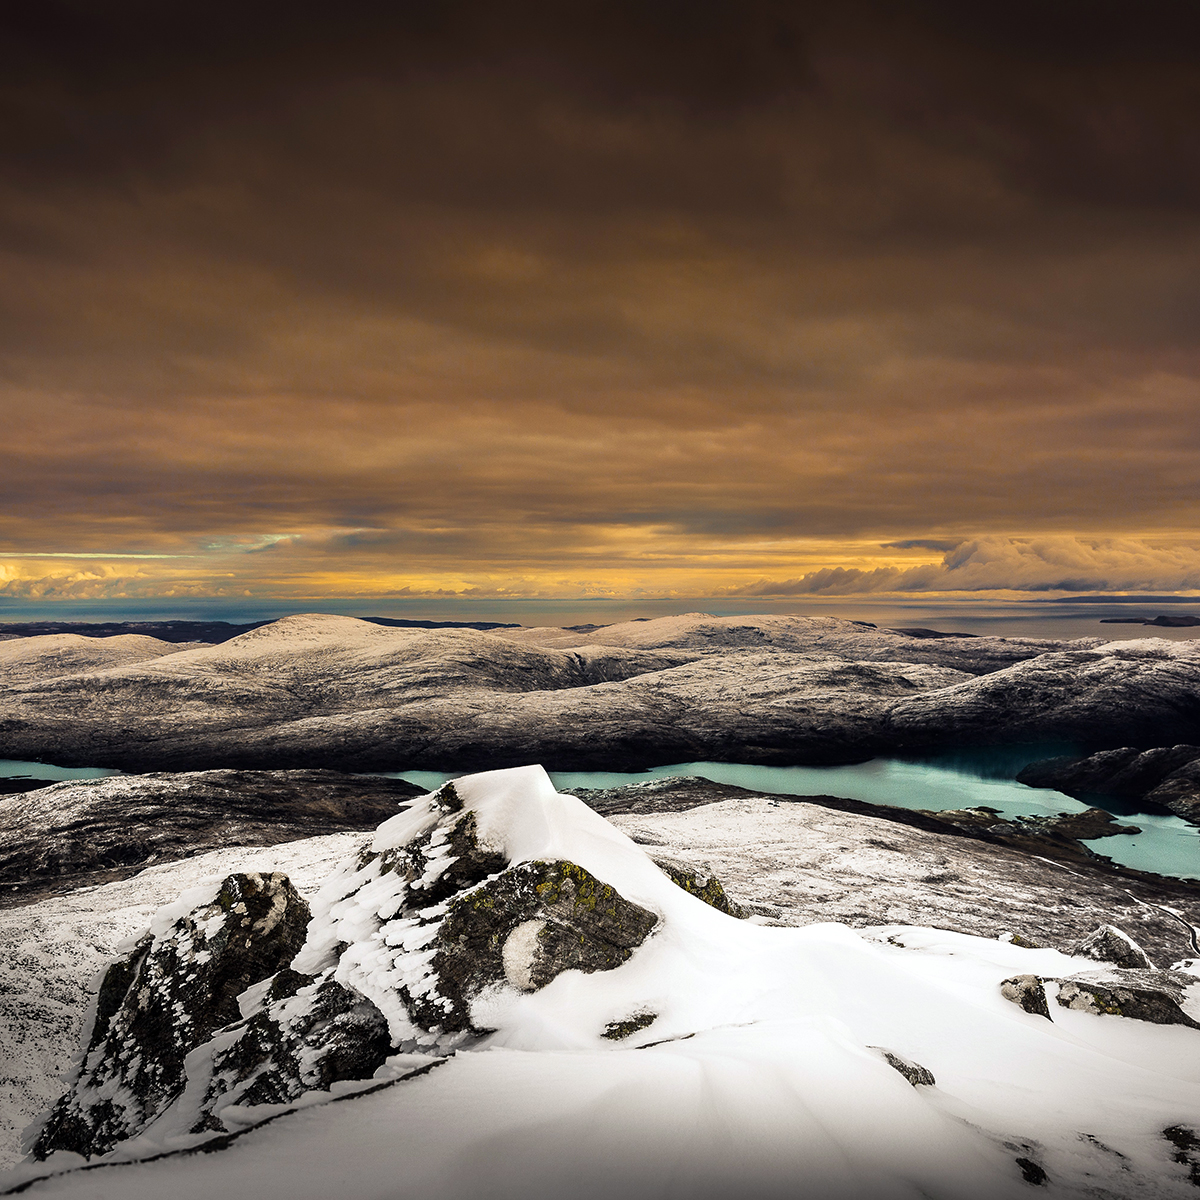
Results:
<point x="916" y="1074"/>
<point x="1180" y="791"/>
<point x="170" y="994"/>
<point x="334" y="692"/>
<point x="1108" y="944"/>
<point x="1165" y="776"/>
<point x="1154" y="996"/>
<point x="1033" y="1172"/>
<point x="92" y="831"/>
<point x="1187" y="1150"/>
<point x="1027" y="992"/>
<point x="302" y="1034"/>
<point x="700" y="880"/>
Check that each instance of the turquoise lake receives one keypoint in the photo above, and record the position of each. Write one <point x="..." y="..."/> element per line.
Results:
<point x="1167" y="844"/>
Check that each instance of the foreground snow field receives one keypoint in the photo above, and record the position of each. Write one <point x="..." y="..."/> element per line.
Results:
<point x="762" y="1072"/>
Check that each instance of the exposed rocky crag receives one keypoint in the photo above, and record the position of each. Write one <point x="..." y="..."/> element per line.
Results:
<point x="323" y="691"/>
<point x="85" y="832"/>
<point x="167" y="996"/>
<point x="1163" y="776"/>
<point x="204" y="1014"/>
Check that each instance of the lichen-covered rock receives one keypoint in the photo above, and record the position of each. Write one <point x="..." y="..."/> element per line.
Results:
<point x="300" y="1034"/>
<point x="1155" y="996"/>
<point x="176" y="987"/>
<point x="427" y="925"/>
<point x="700" y="880"/>
<point x="1027" y="992"/>
<point x="1108" y="944"/>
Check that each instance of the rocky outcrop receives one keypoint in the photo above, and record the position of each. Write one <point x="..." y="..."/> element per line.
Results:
<point x="1187" y="1150"/>
<point x="452" y="920"/>
<point x="1180" y="792"/>
<point x="322" y="691"/>
<point x="93" y="831"/>
<point x="1108" y="944"/>
<point x="214" y="1010"/>
<point x="1159" y="997"/>
<point x="1167" y="776"/>
<point x="167" y="996"/>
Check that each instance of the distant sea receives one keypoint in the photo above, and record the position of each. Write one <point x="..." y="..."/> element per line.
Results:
<point x="1071" y="617"/>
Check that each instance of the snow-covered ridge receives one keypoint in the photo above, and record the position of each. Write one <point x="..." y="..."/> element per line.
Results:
<point x="336" y="692"/>
<point x="716" y="1057"/>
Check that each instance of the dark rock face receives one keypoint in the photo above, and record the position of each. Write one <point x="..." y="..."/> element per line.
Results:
<point x="616" y="1031"/>
<point x="1108" y="944"/>
<point x="1027" y="992"/>
<point x="95" y="830"/>
<point x="305" y="1034"/>
<point x="700" y="880"/>
<point x="1168" y="776"/>
<point x="169" y="995"/>
<point x="916" y="1074"/>
<point x="1180" y="791"/>
<point x="1154" y="996"/>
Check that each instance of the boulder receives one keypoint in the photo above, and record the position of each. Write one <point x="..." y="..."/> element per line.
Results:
<point x="1154" y="996"/>
<point x="1027" y="992"/>
<point x="1108" y="944"/>
<point x="175" y="988"/>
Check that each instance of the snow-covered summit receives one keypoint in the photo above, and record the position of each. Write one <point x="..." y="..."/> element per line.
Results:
<point x="683" y="1052"/>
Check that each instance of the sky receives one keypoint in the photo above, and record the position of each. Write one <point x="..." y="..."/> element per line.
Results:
<point x="755" y="300"/>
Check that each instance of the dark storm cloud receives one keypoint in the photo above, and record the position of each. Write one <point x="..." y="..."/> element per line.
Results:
<point x="531" y="294"/>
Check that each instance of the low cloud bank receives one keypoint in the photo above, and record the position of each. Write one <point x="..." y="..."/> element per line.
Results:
<point x="1044" y="564"/>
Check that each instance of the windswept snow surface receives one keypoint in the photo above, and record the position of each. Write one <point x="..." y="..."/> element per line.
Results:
<point x="760" y="1076"/>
